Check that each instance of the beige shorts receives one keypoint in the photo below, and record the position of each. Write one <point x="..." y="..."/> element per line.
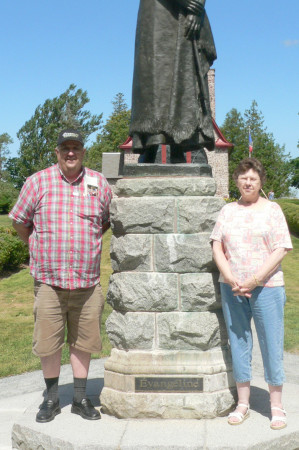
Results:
<point x="80" y="310"/>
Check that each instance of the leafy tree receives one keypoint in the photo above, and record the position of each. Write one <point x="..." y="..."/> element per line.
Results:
<point x="8" y="196"/>
<point x="294" y="164"/>
<point x="114" y="133"/>
<point x="5" y="140"/>
<point x="38" y="136"/>
<point x="236" y="129"/>
<point x="13" y="172"/>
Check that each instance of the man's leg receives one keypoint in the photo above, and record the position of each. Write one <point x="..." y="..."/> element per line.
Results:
<point x="81" y="405"/>
<point x="51" y="370"/>
<point x="51" y="365"/>
<point x="48" y="339"/>
<point x="84" y="319"/>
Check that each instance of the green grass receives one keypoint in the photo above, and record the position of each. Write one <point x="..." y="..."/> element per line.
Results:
<point x="5" y="221"/>
<point x="16" y="319"/>
<point x="290" y="268"/>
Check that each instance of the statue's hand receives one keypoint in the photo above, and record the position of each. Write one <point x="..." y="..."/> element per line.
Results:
<point x="196" y="7"/>
<point x="192" y="26"/>
<point x="193" y="6"/>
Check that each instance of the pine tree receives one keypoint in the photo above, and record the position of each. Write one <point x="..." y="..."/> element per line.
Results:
<point x="273" y="157"/>
<point x="38" y="137"/>
<point x="114" y="133"/>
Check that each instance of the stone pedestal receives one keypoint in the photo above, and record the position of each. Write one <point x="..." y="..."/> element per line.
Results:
<point x="170" y="357"/>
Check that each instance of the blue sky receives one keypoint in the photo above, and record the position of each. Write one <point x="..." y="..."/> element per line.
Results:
<point x="46" y="45"/>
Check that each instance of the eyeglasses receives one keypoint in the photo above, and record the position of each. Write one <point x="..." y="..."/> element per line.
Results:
<point x="251" y="180"/>
<point x="67" y="150"/>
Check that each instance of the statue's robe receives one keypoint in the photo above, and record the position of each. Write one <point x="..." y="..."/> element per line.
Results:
<point x="170" y="99"/>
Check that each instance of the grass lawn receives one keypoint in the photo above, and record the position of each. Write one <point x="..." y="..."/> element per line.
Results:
<point x="5" y="221"/>
<point x="16" y="319"/>
<point x="290" y="267"/>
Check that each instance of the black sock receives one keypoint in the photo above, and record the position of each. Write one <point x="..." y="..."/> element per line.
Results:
<point x="52" y="388"/>
<point x="79" y="389"/>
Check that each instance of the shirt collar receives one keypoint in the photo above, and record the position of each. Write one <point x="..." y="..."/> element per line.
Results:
<point x="79" y="177"/>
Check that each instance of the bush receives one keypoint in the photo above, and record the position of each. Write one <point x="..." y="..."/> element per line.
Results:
<point x="8" y="196"/>
<point x="13" y="252"/>
<point x="291" y="211"/>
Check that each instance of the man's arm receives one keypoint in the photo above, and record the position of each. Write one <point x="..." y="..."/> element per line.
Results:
<point x="105" y="227"/>
<point x="23" y="231"/>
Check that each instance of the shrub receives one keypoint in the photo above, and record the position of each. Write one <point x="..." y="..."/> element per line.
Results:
<point x="291" y="211"/>
<point x="13" y="252"/>
<point x="8" y="196"/>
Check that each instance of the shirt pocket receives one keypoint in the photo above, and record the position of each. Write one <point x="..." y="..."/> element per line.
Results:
<point x="89" y="209"/>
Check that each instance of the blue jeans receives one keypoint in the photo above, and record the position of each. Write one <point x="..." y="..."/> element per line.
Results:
<point x="266" y="307"/>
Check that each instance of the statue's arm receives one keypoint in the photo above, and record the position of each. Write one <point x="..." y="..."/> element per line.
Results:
<point x="193" y="6"/>
<point x="192" y="26"/>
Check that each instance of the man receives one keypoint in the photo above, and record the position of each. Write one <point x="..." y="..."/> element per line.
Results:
<point x="62" y="212"/>
<point x="174" y="50"/>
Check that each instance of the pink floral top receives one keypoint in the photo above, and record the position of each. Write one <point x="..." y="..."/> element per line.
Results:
<point x="249" y="236"/>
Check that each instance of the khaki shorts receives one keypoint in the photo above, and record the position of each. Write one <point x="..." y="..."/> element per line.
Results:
<point x="80" y="310"/>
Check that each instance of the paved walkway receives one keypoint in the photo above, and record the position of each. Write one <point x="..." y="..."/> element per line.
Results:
<point x="69" y="431"/>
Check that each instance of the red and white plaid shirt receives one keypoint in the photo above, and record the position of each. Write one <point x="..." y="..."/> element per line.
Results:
<point x="66" y="242"/>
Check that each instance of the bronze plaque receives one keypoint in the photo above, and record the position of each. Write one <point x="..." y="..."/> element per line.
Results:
<point x="168" y="384"/>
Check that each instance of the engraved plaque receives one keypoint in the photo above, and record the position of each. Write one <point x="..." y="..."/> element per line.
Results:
<point x="168" y="384"/>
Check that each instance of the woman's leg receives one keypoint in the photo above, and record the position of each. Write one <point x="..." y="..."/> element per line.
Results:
<point x="237" y="315"/>
<point x="268" y="314"/>
<point x="276" y="402"/>
<point x="243" y="390"/>
<point x="267" y="305"/>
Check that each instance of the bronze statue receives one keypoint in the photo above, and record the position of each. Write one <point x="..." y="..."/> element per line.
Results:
<point x="174" y="50"/>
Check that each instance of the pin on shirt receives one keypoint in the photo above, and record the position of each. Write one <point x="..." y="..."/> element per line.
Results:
<point x="91" y="188"/>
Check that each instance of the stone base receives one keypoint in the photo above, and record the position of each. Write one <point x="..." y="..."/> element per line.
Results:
<point x="153" y="170"/>
<point x="167" y="406"/>
<point x="168" y="385"/>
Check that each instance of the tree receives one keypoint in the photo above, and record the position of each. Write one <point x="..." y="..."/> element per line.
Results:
<point x="5" y="140"/>
<point x="114" y="133"/>
<point x="8" y="196"/>
<point x="236" y="129"/>
<point x="38" y="137"/>
<point x="13" y="171"/>
<point x="294" y="165"/>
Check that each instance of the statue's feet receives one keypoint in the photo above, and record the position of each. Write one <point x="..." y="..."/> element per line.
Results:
<point x="149" y="155"/>
<point x="177" y="155"/>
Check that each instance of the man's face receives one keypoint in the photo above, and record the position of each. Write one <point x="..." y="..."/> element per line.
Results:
<point x="70" y="155"/>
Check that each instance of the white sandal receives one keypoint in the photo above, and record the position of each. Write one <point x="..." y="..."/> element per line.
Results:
<point x="239" y="415"/>
<point x="278" y="419"/>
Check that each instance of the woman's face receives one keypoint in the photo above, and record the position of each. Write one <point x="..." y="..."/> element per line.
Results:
<point x="249" y="185"/>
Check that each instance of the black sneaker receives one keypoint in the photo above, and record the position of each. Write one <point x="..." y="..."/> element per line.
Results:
<point x="85" y="409"/>
<point x="47" y="411"/>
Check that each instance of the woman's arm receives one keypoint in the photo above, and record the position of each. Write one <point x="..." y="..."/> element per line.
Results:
<point x="269" y="266"/>
<point x="223" y="266"/>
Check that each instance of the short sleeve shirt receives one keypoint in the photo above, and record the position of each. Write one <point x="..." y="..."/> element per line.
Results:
<point x="249" y="236"/>
<point x="67" y="218"/>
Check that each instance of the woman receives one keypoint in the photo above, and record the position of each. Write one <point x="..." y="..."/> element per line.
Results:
<point x="250" y="239"/>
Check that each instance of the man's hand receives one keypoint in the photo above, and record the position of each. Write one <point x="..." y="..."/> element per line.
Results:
<point x="192" y="26"/>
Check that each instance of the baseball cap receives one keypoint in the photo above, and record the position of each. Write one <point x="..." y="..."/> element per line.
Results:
<point x="69" y="135"/>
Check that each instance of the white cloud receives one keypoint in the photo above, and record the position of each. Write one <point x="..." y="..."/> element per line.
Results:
<point x="291" y="42"/>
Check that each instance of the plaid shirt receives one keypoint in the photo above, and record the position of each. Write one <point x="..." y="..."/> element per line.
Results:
<point x="66" y="242"/>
